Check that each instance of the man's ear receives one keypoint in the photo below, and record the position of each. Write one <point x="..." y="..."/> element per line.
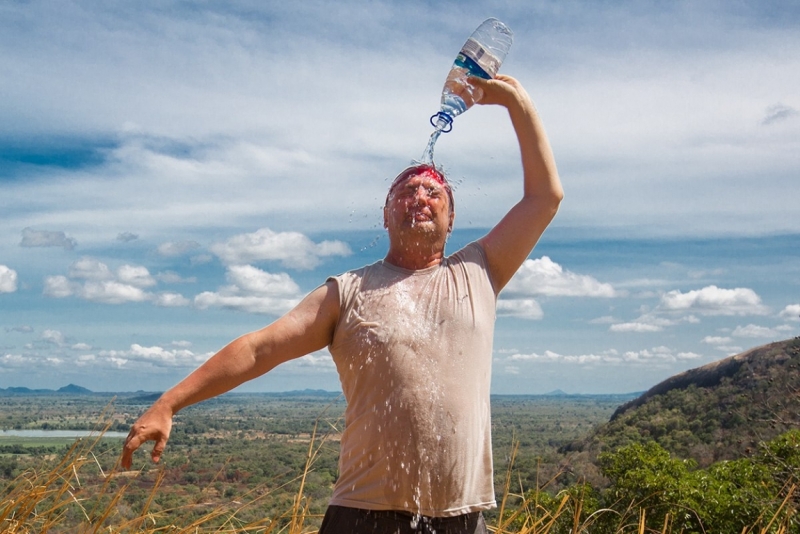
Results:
<point x="452" y="218"/>
<point x="385" y="217"/>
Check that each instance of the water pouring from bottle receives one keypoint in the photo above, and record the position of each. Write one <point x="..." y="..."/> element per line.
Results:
<point x="481" y="56"/>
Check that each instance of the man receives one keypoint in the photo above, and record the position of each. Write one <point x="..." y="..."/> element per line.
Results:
<point x="411" y="337"/>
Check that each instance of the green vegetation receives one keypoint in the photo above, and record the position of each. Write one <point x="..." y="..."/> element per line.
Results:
<point x="717" y="412"/>
<point x="714" y="450"/>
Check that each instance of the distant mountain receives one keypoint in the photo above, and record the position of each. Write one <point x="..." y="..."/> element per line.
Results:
<point x="716" y="412"/>
<point x="73" y="389"/>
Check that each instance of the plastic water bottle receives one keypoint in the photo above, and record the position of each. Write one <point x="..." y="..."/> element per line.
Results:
<point x="481" y="56"/>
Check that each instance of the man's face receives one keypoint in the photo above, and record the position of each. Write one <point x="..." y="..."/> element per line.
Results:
<point x="419" y="203"/>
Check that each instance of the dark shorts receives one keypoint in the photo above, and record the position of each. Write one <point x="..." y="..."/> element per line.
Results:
<point x="342" y="520"/>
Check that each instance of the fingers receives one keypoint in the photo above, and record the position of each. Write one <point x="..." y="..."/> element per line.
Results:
<point x="158" y="449"/>
<point x="150" y="427"/>
<point x="132" y="443"/>
<point x="502" y="90"/>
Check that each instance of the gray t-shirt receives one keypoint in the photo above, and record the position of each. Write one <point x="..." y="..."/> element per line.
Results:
<point x="414" y="355"/>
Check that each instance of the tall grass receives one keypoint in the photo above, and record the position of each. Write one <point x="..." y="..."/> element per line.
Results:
<point x="78" y="495"/>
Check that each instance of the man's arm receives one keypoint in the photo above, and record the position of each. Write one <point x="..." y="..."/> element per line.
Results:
<point x="306" y="328"/>
<point x="510" y="242"/>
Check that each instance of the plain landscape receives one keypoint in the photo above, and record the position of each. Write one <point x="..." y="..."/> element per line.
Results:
<point x="715" y="449"/>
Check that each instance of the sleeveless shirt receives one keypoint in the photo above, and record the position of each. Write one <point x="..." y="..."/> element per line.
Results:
<point x="414" y="352"/>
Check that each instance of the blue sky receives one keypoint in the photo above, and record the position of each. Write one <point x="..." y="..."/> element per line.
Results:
<point x="173" y="175"/>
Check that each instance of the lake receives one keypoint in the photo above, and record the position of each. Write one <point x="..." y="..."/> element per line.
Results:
<point x="58" y="434"/>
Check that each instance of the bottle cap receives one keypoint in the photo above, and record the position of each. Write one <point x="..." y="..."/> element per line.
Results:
<point x="442" y="122"/>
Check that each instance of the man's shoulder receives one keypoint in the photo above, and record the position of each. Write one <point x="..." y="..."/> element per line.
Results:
<point x="357" y="273"/>
<point x="472" y="251"/>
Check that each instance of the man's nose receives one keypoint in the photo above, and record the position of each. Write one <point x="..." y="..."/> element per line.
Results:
<point x="421" y="193"/>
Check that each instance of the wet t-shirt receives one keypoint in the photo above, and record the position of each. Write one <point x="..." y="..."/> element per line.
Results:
<point x="414" y="354"/>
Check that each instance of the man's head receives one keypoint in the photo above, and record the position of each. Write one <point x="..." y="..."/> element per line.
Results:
<point x="424" y="169"/>
<point x="420" y="196"/>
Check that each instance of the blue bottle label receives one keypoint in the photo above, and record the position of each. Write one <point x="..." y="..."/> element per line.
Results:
<point x="477" y="60"/>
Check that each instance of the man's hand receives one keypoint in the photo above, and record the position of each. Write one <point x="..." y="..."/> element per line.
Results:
<point x="502" y="90"/>
<point x="154" y="425"/>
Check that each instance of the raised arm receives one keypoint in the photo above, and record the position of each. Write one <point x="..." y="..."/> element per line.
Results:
<point x="306" y="328"/>
<point x="510" y="242"/>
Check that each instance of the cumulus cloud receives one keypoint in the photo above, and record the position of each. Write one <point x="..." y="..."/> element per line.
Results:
<point x="755" y="331"/>
<point x="523" y="308"/>
<point x="648" y="322"/>
<point x="791" y="312"/>
<point x="170" y="300"/>
<point x="654" y="355"/>
<point x="54" y="337"/>
<point x="92" y="280"/>
<point x="8" y="279"/>
<point x="140" y="356"/>
<point x="635" y="327"/>
<point x="292" y="249"/>
<point x="544" y="277"/>
<point x="712" y="300"/>
<point x="171" y="277"/>
<point x="717" y="340"/>
<point x="172" y="249"/>
<point x="253" y="290"/>
<point x="43" y="238"/>
<point x="135" y="275"/>
<point x="320" y="361"/>
<point x="90" y="269"/>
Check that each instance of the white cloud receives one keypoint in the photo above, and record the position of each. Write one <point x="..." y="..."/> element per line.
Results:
<point x="57" y="286"/>
<point x="716" y="340"/>
<point x="253" y="290"/>
<point x="292" y="249"/>
<point x="90" y="269"/>
<point x="647" y="322"/>
<point x="171" y="277"/>
<point x="316" y="360"/>
<point x="111" y="292"/>
<point x="522" y="308"/>
<point x="92" y="280"/>
<point x="655" y="355"/>
<point x="544" y="277"/>
<point x="135" y="275"/>
<point x="791" y="312"/>
<point x="54" y="337"/>
<point x="549" y="356"/>
<point x="712" y="300"/>
<point x="635" y="327"/>
<point x="755" y="331"/>
<point x="8" y="279"/>
<point x="170" y="300"/>
<point x="606" y="319"/>
<point x="81" y="346"/>
<point x="155" y="356"/>
<point x="172" y="249"/>
<point x="44" y="238"/>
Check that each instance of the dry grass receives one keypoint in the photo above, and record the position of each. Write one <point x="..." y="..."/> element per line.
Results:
<point x="54" y="500"/>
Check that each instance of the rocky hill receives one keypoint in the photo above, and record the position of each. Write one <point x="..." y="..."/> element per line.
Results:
<point x="719" y="411"/>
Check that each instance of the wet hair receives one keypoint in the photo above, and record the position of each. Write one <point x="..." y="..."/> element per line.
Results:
<point x="427" y="170"/>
